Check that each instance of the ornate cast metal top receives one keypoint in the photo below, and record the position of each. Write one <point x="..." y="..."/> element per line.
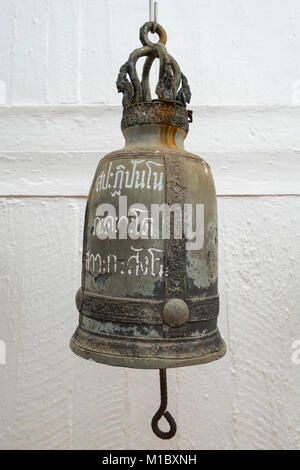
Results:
<point x="172" y="83"/>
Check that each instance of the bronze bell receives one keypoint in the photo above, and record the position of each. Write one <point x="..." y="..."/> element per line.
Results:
<point x="149" y="294"/>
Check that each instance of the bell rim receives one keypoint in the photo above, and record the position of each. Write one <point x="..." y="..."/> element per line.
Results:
<point x="138" y="362"/>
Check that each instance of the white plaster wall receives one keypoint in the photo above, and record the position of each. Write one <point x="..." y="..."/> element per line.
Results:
<point x="59" y="114"/>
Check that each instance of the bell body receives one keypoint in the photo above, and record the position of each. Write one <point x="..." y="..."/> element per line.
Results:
<point x="149" y="293"/>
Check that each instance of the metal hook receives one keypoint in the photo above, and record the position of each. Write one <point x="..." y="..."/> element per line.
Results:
<point x="153" y="13"/>
<point x="162" y="410"/>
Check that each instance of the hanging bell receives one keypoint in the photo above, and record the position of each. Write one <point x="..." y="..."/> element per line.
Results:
<point x="149" y="294"/>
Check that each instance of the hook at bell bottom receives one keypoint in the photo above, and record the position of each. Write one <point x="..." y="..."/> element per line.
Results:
<point x="162" y="411"/>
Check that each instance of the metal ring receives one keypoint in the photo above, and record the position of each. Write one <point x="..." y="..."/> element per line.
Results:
<point x="146" y="28"/>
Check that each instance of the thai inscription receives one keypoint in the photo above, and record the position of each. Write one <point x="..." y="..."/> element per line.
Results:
<point x="142" y="262"/>
<point x="143" y="174"/>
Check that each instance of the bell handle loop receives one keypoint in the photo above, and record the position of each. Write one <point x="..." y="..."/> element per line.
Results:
<point x="147" y="28"/>
<point x="162" y="411"/>
<point x="170" y="76"/>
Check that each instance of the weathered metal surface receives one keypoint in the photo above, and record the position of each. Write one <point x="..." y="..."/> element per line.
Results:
<point x="127" y="283"/>
<point x="143" y="353"/>
<point x="150" y="301"/>
<point x="157" y="112"/>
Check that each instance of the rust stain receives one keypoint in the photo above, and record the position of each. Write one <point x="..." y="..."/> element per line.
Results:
<point x="168" y="136"/>
<point x="168" y="132"/>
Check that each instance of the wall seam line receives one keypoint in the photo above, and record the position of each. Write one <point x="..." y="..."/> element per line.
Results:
<point x="81" y="196"/>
